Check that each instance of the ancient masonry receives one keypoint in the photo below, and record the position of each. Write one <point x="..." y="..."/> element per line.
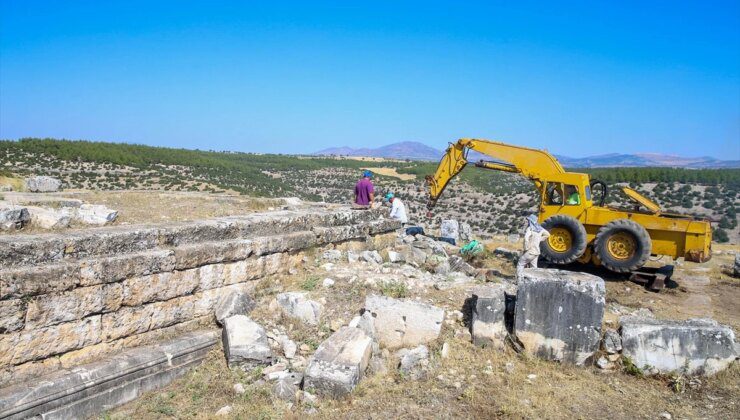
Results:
<point x="66" y="299"/>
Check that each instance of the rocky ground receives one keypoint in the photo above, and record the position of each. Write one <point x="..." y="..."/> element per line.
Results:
<point x="454" y="378"/>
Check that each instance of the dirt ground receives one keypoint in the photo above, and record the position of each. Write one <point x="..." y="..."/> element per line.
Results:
<point x="148" y="207"/>
<point x="472" y="382"/>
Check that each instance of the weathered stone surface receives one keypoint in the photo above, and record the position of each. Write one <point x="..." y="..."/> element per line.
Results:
<point x="284" y="243"/>
<point x="245" y="343"/>
<point x="14" y="218"/>
<point x="694" y="347"/>
<point x="13" y="375"/>
<point x="285" y="390"/>
<point x="158" y="287"/>
<point x="365" y="322"/>
<point x="31" y="281"/>
<point x="449" y="229"/>
<point x="43" y="184"/>
<point x="235" y="302"/>
<point x="339" y="363"/>
<point x="119" y="267"/>
<point x="488" y="326"/>
<point x="466" y="232"/>
<point x="507" y="253"/>
<point x="736" y="268"/>
<point x="46" y="218"/>
<point x="136" y="320"/>
<point x="12" y="314"/>
<point x="559" y="314"/>
<point x="414" y="361"/>
<point x="23" y="346"/>
<point x="297" y="305"/>
<point x="612" y="341"/>
<point x="95" y="214"/>
<point x="404" y="323"/>
<point x="84" y="391"/>
<point x="332" y="255"/>
<point x="457" y="263"/>
<point x="372" y="257"/>
<point x="195" y="255"/>
<point x="56" y="308"/>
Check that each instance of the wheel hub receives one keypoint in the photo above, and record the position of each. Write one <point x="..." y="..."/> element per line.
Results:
<point x="621" y="246"/>
<point x="560" y="239"/>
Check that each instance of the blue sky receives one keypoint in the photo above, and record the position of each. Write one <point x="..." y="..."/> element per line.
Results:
<point x="577" y="78"/>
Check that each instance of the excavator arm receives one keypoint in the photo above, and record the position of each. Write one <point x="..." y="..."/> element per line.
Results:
<point x="531" y="163"/>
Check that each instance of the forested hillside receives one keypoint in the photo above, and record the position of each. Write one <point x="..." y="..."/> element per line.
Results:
<point x="491" y="201"/>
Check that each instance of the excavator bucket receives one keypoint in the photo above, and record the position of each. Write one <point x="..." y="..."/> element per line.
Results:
<point x="652" y="207"/>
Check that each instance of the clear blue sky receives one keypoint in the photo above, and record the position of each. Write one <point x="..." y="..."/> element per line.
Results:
<point x="577" y="78"/>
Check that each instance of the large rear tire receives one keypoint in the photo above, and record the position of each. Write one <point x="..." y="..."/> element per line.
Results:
<point x="623" y="245"/>
<point x="567" y="240"/>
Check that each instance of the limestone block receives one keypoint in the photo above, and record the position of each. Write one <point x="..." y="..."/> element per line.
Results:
<point x="245" y="343"/>
<point x="195" y="255"/>
<point x="158" y="287"/>
<point x="27" y="345"/>
<point x="119" y="267"/>
<point x="559" y="314"/>
<point x="43" y="184"/>
<point x="694" y="347"/>
<point x="404" y="323"/>
<point x="234" y="302"/>
<point x="47" y="218"/>
<point x="12" y="314"/>
<point x="488" y="324"/>
<point x="284" y="243"/>
<point x="449" y="229"/>
<point x="30" y="281"/>
<point x="414" y="361"/>
<point x="14" y="218"/>
<point x="75" y="304"/>
<point x="12" y="375"/>
<point x="297" y="305"/>
<point x="612" y="341"/>
<point x="339" y="363"/>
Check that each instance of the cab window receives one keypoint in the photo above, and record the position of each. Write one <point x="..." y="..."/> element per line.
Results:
<point x="554" y="194"/>
<point x="572" y="196"/>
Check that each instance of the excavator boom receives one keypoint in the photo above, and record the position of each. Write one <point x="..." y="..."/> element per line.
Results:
<point x="532" y="163"/>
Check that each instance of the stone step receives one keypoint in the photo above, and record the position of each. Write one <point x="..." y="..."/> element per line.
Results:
<point x="90" y="389"/>
<point x="20" y="250"/>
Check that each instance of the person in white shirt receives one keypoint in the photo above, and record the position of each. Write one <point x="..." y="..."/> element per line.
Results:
<point x="532" y="238"/>
<point x="398" y="210"/>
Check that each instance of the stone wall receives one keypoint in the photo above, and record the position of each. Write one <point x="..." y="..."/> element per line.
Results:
<point x="68" y="298"/>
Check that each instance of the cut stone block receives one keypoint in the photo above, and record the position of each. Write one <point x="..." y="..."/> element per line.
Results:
<point x="43" y="184"/>
<point x="95" y="214"/>
<point x="404" y="323"/>
<point x="45" y="218"/>
<point x="488" y="326"/>
<point x="694" y="347"/>
<point x="14" y="218"/>
<point x="339" y="363"/>
<point x="559" y="314"/>
<point x="245" y="343"/>
<point x="449" y="229"/>
<point x="236" y="302"/>
<point x="297" y="305"/>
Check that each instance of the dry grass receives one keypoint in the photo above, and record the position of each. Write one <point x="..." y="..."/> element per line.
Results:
<point x="16" y="184"/>
<point x="391" y="172"/>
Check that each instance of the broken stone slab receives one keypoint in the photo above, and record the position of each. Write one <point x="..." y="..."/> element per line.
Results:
<point x="245" y="343"/>
<point x="14" y="218"/>
<point x="47" y="218"/>
<point x="488" y="326"/>
<point x="559" y="314"/>
<point x="466" y="232"/>
<point x="612" y="341"/>
<point x="457" y="263"/>
<point x="43" y="184"/>
<point x="235" y="302"/>
<point x="285" y="390"/>
<point x="339" y="363"/>
<point x="297" y="305"/>
<point x="693" y="347"/>
<point x="449" y="229"/>
<point x="395" y="257"/>
<point x="95" y="214"/>
<point x="413" y="361"/>
<point x="404" y="323"/>
<point x="365" y="322"/>
<point x="372" y="257"/>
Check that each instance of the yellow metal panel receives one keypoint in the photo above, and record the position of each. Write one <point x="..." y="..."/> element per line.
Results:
<point x="649" y="204"/>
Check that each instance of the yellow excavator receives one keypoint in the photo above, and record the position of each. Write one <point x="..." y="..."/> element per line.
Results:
<point x="581" y="229"/>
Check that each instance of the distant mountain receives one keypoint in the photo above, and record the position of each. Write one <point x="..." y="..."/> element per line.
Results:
<point x="419" y="151"/>
<point x="404" y="150"/>
<point x="646" y="159"/>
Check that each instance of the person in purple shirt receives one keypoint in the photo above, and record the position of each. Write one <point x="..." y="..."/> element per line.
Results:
<point x="364" y="191"/>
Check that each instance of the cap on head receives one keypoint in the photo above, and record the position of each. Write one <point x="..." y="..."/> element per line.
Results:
<point x="367" y="174"/>
<point x="389" y="196"/>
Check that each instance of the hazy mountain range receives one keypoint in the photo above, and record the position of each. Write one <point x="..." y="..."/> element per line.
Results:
<point x="419" y="151"/>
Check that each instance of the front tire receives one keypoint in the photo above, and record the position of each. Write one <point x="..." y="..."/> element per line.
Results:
<point x="567" y="240"/>
<point x="623" y="245"/>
